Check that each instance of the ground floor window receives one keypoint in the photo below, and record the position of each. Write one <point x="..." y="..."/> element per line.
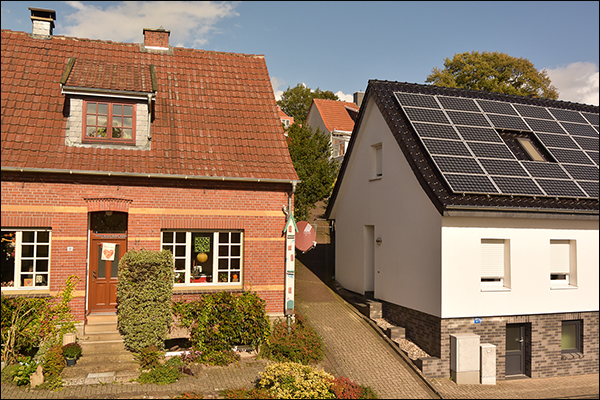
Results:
<point x="25" y="258"/>
<point x="571" y="336"/>
<point x="203" y="257"/>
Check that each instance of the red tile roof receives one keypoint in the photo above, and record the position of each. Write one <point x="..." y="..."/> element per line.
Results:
<point x="335" y="114"/>
<point x="215" y="113"/>
<point x="283" y="115"/>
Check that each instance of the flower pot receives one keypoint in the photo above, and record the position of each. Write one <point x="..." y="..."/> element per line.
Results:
<point x="71" y="361"/>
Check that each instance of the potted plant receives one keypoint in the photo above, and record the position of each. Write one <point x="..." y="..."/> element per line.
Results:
<point x="71" y="351"/>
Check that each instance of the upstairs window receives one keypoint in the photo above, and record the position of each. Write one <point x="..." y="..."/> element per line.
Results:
<point x="109" y="121"/>
<point x="563" y="263"/>
<point x="495" y="264"/>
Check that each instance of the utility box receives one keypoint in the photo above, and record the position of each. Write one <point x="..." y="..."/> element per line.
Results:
<point x="464" y="358"/>
<point x="487" y="363"/>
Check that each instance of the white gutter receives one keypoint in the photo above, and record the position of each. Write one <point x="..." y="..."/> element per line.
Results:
<point x="154" y="175"/>
<point x="123" y="94"/>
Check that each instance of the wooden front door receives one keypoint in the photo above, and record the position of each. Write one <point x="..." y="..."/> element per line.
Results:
<point x="104" y="273"/>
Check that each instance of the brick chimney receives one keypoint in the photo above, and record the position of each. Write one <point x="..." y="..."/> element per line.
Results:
<point x="42" y="20"/>
<point x="156" y="39"/>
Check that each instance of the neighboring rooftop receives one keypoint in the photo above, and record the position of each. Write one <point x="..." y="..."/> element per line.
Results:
<point x="337" y="115"/>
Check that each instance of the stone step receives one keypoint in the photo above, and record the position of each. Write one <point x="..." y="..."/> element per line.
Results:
<point x="99" y="318"/>
<point x="101" y="327"/>
<point x="106" y="358"/>
<point x="105" y="336"/>
<point x="102" y="347"/>
<point x="100" y="373"/>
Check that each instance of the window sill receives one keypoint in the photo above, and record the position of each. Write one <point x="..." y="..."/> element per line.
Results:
<point x="566" y="287"/>
<point x="202" y="287"/>
<point x="17" y="292"/>
<point x="571" y="356"/>
<point x="376" y="179"/>
<point x="495" y="289"/>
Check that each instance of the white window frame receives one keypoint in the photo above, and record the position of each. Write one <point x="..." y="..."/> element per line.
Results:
<point x="563" y="263"/>
<point x="20" y="259"/>
<point x="376" y="161"/>
<point x="495" y="264"/>
<point x="217" y="259"/>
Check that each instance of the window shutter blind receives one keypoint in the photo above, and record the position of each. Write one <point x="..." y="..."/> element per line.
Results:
<point x="492" y="258"/>
<point x="560" y="256"/>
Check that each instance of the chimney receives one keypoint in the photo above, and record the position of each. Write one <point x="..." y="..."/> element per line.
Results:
<point x="42" y="20"/>
<point x="156" y="39"/>
<point x="358" y="98"/>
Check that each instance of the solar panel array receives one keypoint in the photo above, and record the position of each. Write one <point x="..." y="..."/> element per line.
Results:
<point x="462" y="137"/>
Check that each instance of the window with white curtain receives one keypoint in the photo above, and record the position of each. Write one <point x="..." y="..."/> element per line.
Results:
<point x="495" y="263"/>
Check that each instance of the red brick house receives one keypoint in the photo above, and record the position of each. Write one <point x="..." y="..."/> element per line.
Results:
<point x="108" y="147"/>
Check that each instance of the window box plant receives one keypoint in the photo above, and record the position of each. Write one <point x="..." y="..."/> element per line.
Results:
<point x="71" y="351"/>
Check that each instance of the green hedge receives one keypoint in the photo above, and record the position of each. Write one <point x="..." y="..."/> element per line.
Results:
<point x="144" y="298"/>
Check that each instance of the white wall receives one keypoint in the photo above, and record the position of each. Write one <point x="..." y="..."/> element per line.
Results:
<point x="314" y="120"/>
<point x="408" y="262"/>
<point x="530" y="289"/>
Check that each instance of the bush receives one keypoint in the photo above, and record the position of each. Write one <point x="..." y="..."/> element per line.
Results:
<point x="219" y="321"/>
<point x="161" y="375"/>
<point x="291" y="380"/>
<point x="22" y="373"/>
<point x="21" y="326"/>
<point x="344" y="388"/>
<point x="53" y="367"/>
<point x="149" y="357"/>
<point x="253" y="393"/>
<point x="72" y="350"/>
<point x="302" y="345"/>
<point x="144" y="297"/>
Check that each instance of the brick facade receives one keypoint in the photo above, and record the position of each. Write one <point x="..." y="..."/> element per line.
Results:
<point x="63" y="202"/>
<point x="543" y="357"/>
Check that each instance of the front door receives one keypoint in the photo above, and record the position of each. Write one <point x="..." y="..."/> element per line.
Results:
<point x="515" y="349"/>
<point x="105" y="252"/>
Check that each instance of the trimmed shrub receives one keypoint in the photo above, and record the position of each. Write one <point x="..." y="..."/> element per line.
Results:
<point x="149" y="357"/>
<point x="219" y="321"/>
<point x="291" y="380"/>
<point x="302" y="344"/>
<point x="144" y="298"/>
<point x="161" y="375"/>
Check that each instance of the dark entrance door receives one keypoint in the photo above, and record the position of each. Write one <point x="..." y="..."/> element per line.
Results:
<point x="515" y="349"/>
<point x="104" y="273"/>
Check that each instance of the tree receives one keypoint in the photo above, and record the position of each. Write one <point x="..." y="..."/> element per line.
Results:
<point x="296" y="102"/>
<point x="493" y="72"/>
<point x="310" y="152"/>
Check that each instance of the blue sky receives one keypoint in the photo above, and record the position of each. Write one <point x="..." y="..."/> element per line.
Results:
<point x="339" y="46"/>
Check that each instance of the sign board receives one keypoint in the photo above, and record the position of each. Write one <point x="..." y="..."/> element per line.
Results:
<point x="306" y="236"/>
<point x="477" y="320"/>
<point x="290" y="243"/>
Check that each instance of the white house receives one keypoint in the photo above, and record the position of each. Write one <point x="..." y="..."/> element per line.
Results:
<point x="473" y="212"/>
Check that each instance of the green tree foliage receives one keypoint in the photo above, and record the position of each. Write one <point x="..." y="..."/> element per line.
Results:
<point x="144" y="297"/>
<point x="296" y="102"/>
<point x="310" y="152"/>
<point x="493" y="72"/>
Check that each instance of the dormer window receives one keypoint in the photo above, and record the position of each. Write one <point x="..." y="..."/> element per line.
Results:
<point x="109" y="121"/>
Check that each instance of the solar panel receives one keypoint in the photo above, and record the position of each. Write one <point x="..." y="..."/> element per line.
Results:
<point x="479" y="134"/>
<point x="542" y="125"/>
<point x="416" y="100"/>
<point x="518" y="186"/>
<point x="458" y="165"/>
<point x="592" y="118"/>
<point x="544" y="170"/>
<point x="491" y="150"/>
<point x="533" y="112"/>
<point x="458" y="103"/>
<point x="591" y="188"/>
<point x="579" y="129"/>
<point x="426" y="115"/>
<point x="436" y="131"/>
<point x="470" y="183"/>
<point x="446" y="147"/>
<point x="508" y="122"/>
<point x="561" y="141"/>
<point x="496" y="107"/>
<point x="467" y="118"/>
<point x="570" y="156"/>
<point x="468" y="140"/>
<point x="556" y="187"/>
<point x="567" y="115"/>
<point x="503" y="167"/>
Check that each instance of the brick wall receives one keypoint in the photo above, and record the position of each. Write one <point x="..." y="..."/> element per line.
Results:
<point x="59" y="202"/>
<point x="543" y="357"/>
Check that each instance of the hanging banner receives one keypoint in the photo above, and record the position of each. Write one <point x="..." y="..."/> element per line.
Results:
<point x="290" y="249"/>
<point x="108" y="251"/>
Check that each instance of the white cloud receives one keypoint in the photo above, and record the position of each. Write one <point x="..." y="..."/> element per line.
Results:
<point x="189" y="22"/>
<point x="577" y="82"/>
<point x="345" y="97"/>
<point x="276" y="83"/>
